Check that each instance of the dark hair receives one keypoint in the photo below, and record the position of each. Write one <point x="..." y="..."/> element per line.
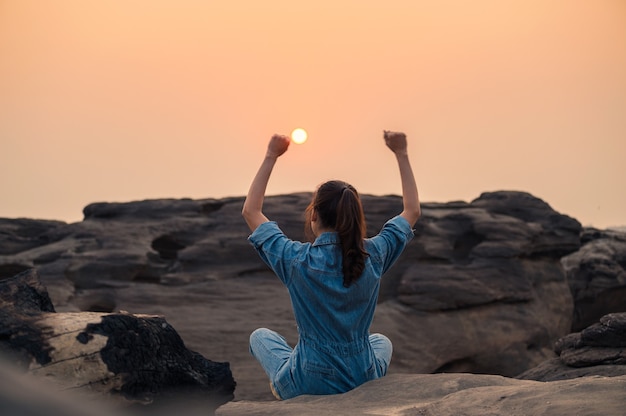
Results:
<point x="338" y="206"/>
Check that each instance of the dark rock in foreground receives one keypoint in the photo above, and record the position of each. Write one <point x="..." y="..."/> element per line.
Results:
<point x="134" y="360"/>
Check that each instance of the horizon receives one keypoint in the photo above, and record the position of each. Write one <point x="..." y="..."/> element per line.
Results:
<point x="617" y="227"/>
<point x="118" y="101"/>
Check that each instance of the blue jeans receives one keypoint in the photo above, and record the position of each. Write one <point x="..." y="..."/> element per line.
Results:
<point x="273" y="353"/>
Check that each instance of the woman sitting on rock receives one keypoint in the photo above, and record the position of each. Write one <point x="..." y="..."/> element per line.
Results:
<point x="333" y="282"/>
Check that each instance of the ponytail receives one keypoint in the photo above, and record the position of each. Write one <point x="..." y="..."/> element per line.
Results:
<point x="351" y="230"/>
<point x="338" y="206"/>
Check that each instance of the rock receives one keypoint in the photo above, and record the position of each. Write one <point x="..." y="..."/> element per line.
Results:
<point x="24" y="294"/>
<point x="597" y="276"/>
<point x="481" y="288"/>
<point x="122" y="358"/>
<point x="20" y="235"/>
<point x="554" y="369"/>
<point x="454" y="394"/>
<point x="603" y="343"/>
<point x="609" y="332"/>
<point x="599" y="349"/>
<point x="21" y="299"/>
<point x="23" y="234"/>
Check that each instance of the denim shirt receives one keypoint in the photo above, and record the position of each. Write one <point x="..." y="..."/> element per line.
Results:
<point x="333" y="354"/>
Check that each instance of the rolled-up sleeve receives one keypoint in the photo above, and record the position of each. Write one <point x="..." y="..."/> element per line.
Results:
<point x="391" y="241"/>
<point x="274" y="248"/>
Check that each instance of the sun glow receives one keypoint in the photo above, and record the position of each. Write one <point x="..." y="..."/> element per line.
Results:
<point x="299" y="136"/>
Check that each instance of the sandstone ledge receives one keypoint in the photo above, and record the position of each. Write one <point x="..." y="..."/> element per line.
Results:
<point x="454" y="394"/>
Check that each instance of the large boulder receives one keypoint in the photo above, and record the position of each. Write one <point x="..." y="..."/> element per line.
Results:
<point x="597" y="275"/>
<point x="122" y="358"/>
<point x="481" y="289"/>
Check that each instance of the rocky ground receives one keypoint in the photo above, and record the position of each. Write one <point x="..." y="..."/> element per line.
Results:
<point x="454" y="394"/>
<point x="486" y="287"/>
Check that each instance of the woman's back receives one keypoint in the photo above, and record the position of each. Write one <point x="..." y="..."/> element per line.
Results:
<point x="323" y="306"/>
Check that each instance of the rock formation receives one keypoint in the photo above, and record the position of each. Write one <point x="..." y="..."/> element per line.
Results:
<point x="480" y="289"/>
<point x="124" y="358"/>
<point x="597" y="275"/>
<point x="599" y="349"/>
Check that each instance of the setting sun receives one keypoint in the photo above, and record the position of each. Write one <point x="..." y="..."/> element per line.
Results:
<point x="299" y="136"/>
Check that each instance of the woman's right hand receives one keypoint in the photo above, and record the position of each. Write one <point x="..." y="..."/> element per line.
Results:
<point x="278" y="145"/>
<point x="395" y="140"/>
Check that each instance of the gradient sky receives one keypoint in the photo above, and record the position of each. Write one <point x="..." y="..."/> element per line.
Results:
<point x="124" y="100"/>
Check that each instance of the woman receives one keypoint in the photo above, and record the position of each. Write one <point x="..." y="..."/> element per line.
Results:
<point x="333" y="282"/>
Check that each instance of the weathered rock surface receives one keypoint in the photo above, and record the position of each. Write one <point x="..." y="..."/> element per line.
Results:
<point x="599" y="349"/>
<point x="122" y="358"/>
<point x="452" y="395"/>
<point x="597" y="275"/>
<point x="481" y="287"/>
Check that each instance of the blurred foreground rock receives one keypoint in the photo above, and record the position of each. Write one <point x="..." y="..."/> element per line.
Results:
<point x="127" y="361"/>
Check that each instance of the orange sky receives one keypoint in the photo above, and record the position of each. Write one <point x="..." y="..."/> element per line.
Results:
<point x="125" y="100"/>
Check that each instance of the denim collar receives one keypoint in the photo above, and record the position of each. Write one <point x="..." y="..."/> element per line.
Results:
<point x="327" y="238"/>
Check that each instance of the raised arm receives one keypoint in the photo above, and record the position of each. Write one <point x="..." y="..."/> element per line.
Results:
<point x="253" y="205"/>
<point x="410" y="199"/>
